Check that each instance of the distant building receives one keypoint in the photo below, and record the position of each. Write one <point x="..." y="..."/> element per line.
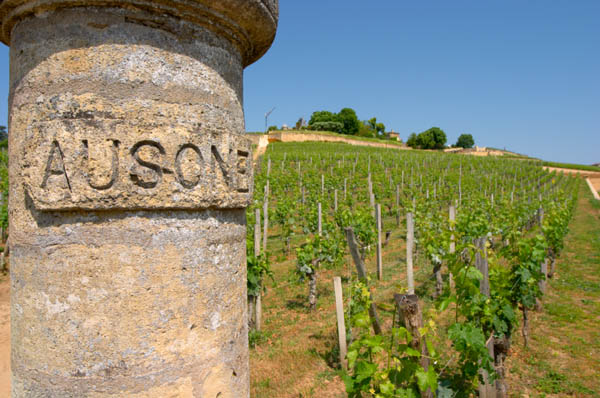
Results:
<point x="301" y="123"/>
<point x="394" y="136"/>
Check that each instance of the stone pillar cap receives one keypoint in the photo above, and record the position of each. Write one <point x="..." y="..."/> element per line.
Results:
<point x="250" y="25"/>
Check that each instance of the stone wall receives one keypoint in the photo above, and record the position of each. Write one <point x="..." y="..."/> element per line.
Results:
<point x="279" y="136"/>
<point x="255" y="139"/>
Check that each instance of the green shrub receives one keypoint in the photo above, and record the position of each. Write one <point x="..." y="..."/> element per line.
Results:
<point x="335" y="127"/>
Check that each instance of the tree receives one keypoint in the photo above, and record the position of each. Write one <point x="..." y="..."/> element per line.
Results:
<point x="365" y="130"/>
<point x="372" y="123"/>
<point x="349" y="122"/>
<point x="434" y="138"/>
<point x="348" y="118"/>
<point x="465" y="141"/>
<point x="3" y="133"/>
<point x="322" y="117"/>
<point x="378" y="128"/>
<point x="412" y="140"/>
<point x="336" y="127"/>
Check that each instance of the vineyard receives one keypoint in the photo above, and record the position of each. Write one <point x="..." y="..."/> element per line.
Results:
<point x="442" y="261"/>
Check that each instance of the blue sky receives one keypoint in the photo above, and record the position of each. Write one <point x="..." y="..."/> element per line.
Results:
<point x="519" y="74"/>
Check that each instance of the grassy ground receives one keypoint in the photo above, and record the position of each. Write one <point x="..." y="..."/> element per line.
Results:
<point x="564" y="357"/>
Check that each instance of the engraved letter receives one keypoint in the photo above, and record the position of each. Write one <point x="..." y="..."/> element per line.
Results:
<point x="222" y="164"/>
<point x="114" y="165"/>
<point x="181" y="158"/>
<point x="242" y="169"/>
<point x="153" y="168"/>
<point x="55" y="165"/>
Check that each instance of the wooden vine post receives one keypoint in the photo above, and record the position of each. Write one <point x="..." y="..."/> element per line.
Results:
<point x="345" y="187"/>
<point x="362" y="275"/>
<point x="312" y="285"/>
<point x="379" y="256"/>
<point x="544" y="269"/>
<point x="460" y="186"/>
<point x="486" y="389"/>
<point x="257" y="232"/>
<point x="371" y="195"/>
<point x="410" y="310"/>
<point x="481" y="264"/>
<point x="255" y="302"/>
<point x="265" y="218"/>
<point x="335" y="200"/>
<point x="439" y="281"/>
<point x="452" y="214"/>
<point x="501" y="346"/>
<point x="544" y="265"/>
<point x="320" y="222"/>
<point x="410" y="237"/>
<point x="402" y="182"/>
<point x="372" y="199"/>
<point x="341" y="325"/>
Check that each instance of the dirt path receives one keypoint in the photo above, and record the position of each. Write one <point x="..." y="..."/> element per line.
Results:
<point x="585" y="173"/>
<point x="596" y="183"/>
<point x="564" y="357"/>
<point x="4" y="336"/>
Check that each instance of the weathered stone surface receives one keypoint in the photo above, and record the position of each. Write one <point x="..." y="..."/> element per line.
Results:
<point x="249" y="25"/>
<point x="128" y="182"/>
<point x="98" y="164"/>
<point x="148" y="301"/>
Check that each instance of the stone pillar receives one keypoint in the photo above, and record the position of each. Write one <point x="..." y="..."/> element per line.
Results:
<point x="128" y="184"/>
